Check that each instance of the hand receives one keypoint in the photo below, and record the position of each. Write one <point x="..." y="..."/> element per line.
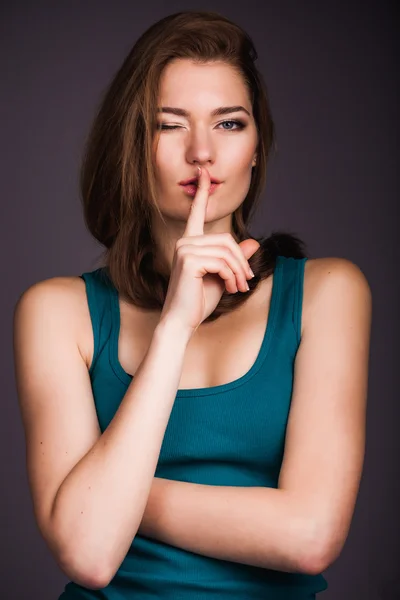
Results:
<point x="203" y="265"/>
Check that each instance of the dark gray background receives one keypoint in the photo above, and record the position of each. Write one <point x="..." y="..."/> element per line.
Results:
<point x="332" y="77"/>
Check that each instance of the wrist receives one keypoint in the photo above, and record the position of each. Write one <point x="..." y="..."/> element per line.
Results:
<point x="173" y="328"/>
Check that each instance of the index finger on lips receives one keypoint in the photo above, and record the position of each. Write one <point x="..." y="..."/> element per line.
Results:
<point x="197" y="215"/>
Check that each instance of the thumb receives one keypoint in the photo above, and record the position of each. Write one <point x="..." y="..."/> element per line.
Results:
<point x="249" y="247"/>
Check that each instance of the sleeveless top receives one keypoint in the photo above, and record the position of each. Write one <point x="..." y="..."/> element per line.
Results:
<point x="231" y="434"/>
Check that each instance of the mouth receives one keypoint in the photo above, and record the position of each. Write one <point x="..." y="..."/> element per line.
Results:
<point x="194" y="181"/>
<point x="191" y="188"/>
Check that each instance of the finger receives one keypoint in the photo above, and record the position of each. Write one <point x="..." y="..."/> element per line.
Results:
<point x="197" y="215"/>
<point x="218" y="266"/>
<point x="238" y="251"/>
<point x="225" y="240"/>
<point x="226" y="254"/>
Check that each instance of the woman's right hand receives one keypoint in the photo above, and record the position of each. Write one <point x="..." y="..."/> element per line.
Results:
<point x="204" y="265"/>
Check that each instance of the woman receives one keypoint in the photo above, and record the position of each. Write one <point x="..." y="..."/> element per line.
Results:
<point x="187" y="437"/>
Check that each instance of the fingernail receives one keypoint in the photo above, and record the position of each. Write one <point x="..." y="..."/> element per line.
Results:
<point x="251" y="273"/>
<point x="199" y="170"/>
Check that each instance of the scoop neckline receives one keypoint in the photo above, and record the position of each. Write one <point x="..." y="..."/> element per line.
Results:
<point x="127" y="378"/>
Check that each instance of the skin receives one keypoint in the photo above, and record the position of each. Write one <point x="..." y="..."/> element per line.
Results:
<point x="300" y="526"/>
<point x="227" y="151"/>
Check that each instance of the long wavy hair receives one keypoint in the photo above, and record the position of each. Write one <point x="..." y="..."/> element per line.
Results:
<point x="117" y="178"/>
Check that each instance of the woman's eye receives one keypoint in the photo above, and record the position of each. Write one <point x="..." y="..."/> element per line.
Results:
<point x="163" y="126"/>
<point x="239" y="124"/>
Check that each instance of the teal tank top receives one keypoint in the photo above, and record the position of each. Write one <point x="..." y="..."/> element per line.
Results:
<point x="231" y="434"/>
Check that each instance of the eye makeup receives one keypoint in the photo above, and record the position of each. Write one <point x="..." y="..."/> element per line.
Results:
<point x="239" y="125"/>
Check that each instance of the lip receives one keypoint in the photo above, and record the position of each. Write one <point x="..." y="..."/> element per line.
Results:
<point x="191" y="189"/>
<point x="195" y="179"/>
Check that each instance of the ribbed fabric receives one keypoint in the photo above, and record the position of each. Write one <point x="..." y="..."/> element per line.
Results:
<point x="230" y="434"/>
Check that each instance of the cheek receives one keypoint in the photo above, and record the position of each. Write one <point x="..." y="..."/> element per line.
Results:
<point x="167" y="165"/>
<point x="240" y="184"/>
<point x="240" y="155"/>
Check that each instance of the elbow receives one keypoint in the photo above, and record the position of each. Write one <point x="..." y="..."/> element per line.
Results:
<point x="315" y="564"/>
<point x="89" y="568"/>
<point x="80" y="563"/>
<point x="82" y="572"/>
<point x="322" y="552"/>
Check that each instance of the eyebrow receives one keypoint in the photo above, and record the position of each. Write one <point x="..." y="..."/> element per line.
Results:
<point x="222" y="110"/>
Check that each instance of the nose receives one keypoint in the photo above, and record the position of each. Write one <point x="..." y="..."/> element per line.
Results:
<point x="200" y="150"/>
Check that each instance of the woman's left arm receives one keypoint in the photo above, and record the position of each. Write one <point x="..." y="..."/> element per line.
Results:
<point x="303" y="524"/>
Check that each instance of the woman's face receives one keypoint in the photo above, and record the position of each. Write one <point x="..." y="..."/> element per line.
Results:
<point x="225" y="144"/>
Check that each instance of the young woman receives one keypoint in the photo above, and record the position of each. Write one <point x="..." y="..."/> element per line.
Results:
<point x="188" y="438"/>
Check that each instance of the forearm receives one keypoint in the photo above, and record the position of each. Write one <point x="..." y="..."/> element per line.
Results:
<point x="264" y="527"/>
<point x="99" y="506"/>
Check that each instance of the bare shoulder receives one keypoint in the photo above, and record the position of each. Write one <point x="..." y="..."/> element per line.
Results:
<point x="329" y="277"/>
<point x="60" y="295"/>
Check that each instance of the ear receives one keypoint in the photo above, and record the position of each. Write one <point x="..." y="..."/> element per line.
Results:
<point x="253" y="164"/>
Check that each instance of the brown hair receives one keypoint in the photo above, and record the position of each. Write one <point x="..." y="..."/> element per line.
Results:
<point x="117" y="177"/>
